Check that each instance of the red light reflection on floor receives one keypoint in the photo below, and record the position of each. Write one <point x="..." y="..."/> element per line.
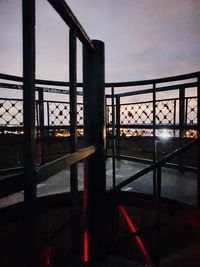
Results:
<point x="85" y="235"/>
<point x="139" y="241"/>
<point x="46" y="256"/>
<point x="85" y="246"/>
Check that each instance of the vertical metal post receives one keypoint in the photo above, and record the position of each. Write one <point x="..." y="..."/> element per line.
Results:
<point x="186" y="111"/>
<point x="75" y="242"/>
<point x="48" y="116"/>
<point x="175" y="117"/>
<point x="94" y="133"/>
<point x="181" y="123"/>
<point x="118" y="126"/>
<point x="107" y="127"/>
<point x="113" y="136"/>
<point x="154" y="137"/>
<point x="158" y="196"/>
<point x="48" y="133"/>
<point x="29" y="150"/>
<point x="198" y="134"/>
<point x="41" y="125"/>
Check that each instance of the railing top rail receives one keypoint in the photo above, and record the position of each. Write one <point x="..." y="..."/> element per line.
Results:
<point x="155" y="81"/>
<point x="44" y="89"/>
<point x="70" y="19"/>
<point x="155" y="165"/>
<point x="13" y="180"/>
<point x="15" y="78"/>
<point x="158" y="89"/>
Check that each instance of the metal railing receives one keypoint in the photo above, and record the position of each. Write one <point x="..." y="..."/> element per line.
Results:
<point x="170" y="113"/>
<point x="27" y="115"/>
<point x="33" y="115"/>
<point x="157" y="198"/>
<point x="158" y="165"/>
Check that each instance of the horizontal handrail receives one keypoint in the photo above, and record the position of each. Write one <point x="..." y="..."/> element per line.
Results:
<point x="119" y="84"/>
<point x="15" y="78"/>
<point x="15" y="182"/>
<point x="37" y="88"/>
<point x="155" y="165"/>
<point x="67" y="15"/>
<point x="158" y="89"/>
<point x="62" y="163"/>
<point x="155" y="81"/>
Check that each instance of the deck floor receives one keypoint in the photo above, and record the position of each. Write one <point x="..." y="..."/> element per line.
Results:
<point x="176" y="185"/>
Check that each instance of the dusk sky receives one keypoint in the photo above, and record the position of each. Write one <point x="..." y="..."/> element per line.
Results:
<point x="143" y="38"/>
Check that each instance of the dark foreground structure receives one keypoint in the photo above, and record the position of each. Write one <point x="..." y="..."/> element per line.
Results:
<point x="120" y="221"/>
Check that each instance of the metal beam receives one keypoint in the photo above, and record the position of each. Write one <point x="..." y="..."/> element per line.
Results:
<point x="75" y="226"/>
<point x="159" y="80"/>
<point x="62" y="163"/>
<point x="67" y="15"/>
<point x="29" y="148"/>
<point x="156" y="165"/>
<point x="94" y="133"/>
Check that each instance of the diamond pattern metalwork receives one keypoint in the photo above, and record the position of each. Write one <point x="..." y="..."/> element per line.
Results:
<point x="137" y="113"/>
<point x="165" y="112"/>
<point x="191" y="110"/>
<point x="80" y="114"/>
<point x="58" y="113"/>
<point x="11" y="112"/>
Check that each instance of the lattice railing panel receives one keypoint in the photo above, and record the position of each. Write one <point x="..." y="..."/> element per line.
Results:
<point x="165" y="112"/>
<point x="80" y="114"/>
<point x="191" y="110"/>
<point x="138" y="113"/>
<point x="11" y="112"/>
<point x="58" y="113"/>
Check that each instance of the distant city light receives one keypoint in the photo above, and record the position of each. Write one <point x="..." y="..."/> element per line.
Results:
<point x="165" y="134"/>
<point x="191" y="134"/>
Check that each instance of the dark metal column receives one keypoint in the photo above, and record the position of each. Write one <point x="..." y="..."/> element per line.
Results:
<point x="94" y="133"/>
<point x="181" y="123"/>
<point x="175" y="101"/>
<point x="113" y="137"/>
<point x="154" y="138"/>
<point x="157" y="215"/>
<point x="198" y="130"/>
<point x="41" y="153"/>
<point x="29" y="150"/>
<point x="118" y="126"/>
<point x="75" y="242"/>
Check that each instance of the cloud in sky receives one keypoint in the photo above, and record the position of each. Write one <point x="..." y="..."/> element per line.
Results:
<point x="143" y="39"/>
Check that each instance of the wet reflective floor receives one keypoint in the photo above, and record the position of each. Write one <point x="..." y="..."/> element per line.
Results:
<point x="176" y="185"/>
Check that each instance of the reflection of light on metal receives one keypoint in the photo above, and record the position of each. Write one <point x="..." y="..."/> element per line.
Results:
<point x="165" y="134"/>
<point x="139" y="241"/>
